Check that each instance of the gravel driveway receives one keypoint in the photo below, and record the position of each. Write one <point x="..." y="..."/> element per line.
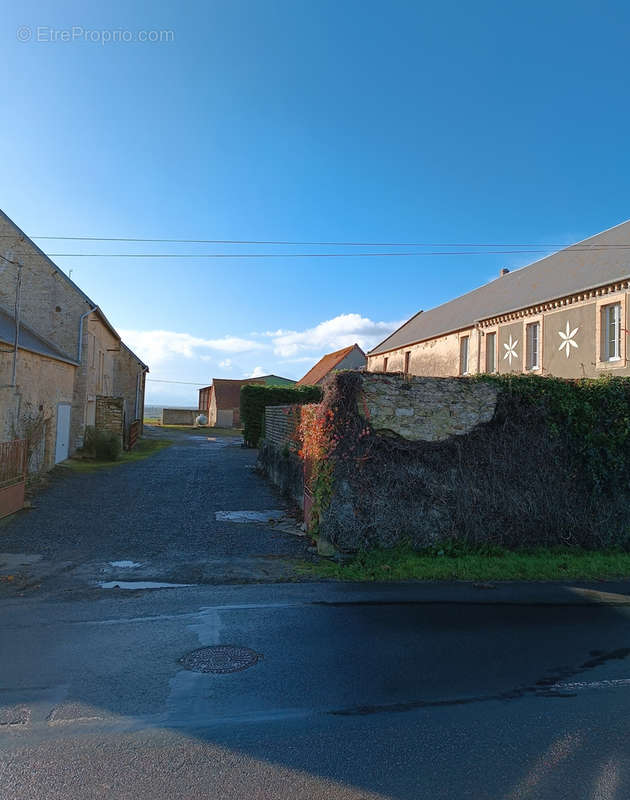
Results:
<point x="158" y="513"/>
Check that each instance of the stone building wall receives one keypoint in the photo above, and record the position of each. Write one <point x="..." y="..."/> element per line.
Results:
<point x="95" y="375"/>
<point x="437" y="357"/>
<point x="49" y="304"/>
<point x="42" y="383"/>
<point x="9" y="406"/>
<point x="129" y="383"/>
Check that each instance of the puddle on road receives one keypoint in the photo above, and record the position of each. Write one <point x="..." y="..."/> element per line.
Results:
<point x="140" y="585"/>
<point x="271" y="515"/>
<point x="125" y="564"/>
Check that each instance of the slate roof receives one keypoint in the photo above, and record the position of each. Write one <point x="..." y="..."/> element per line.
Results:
<point x="325" y="365"/>
<point x="596" y="261"/>
<point x="28" y="339"/>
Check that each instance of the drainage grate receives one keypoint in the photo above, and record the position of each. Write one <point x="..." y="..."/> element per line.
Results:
<point x="220" y="659"/>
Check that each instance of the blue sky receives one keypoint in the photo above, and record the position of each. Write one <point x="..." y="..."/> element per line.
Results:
<point x="485" y="122"/>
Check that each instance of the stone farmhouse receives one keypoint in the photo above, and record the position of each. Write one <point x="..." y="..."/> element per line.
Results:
<point x="221" y="401"/>
<point x="347" y="358"/>
<point x="565" y="315"/>
<point x="71" y="368"/>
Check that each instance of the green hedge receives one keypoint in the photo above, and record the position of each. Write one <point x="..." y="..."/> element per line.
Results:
<point x="592" y="415"/>
<point x="255" y="397"/>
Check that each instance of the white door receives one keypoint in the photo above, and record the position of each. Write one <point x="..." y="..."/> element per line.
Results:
<point x="62" y="445"/>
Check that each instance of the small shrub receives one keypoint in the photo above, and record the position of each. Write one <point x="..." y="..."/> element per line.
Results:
<point x="103" y="445"/>
<point x="108" y="447"/>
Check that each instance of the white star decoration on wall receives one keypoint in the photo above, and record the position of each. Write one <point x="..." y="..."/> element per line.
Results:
<point x="510" y="350"/>
<point x="567" y="339"/>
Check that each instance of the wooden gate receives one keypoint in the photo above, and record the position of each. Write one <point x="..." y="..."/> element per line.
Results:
<point x="133" y="434"/>
<point x="12" y="476"/>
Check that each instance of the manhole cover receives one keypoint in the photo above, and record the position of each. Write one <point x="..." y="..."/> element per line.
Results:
<point x="220" y="658"/>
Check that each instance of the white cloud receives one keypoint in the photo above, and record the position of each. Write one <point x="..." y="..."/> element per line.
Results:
<point x="278" y="332"/>
<point x="175" y="357"/>
<point x="155" y="347"/>
<point x="333" y="334"/>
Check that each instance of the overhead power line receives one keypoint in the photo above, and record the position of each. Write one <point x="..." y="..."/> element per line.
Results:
<point x="424" y="253"/>
<point x="286" y="255"/>
<point x="321" y="243"/>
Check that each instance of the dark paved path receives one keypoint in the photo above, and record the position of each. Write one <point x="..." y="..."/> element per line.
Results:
<point x="361" y="693"/>
<point x="159" y="512"/>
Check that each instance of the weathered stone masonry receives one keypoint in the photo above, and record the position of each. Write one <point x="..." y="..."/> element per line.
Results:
<point x="110" y="415"/>
<point x="425" y="409"/>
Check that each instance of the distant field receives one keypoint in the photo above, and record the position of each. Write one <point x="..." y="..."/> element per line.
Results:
<point x="204" y="430"/>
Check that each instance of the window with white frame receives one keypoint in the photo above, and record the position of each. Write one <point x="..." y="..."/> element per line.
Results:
<point x="463" y="355"/>
<point x="611" y="332"/>
<point x="491" y="343"/>
<point x="532" y="358"/>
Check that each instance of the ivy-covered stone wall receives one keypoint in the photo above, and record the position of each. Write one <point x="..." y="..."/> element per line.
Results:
<point x="514" y="460"/>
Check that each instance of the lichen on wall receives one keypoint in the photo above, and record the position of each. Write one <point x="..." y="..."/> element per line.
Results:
<point x="425" y="409"/>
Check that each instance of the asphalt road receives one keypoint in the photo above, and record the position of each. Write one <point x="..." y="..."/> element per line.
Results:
<point x="402" y="692"/>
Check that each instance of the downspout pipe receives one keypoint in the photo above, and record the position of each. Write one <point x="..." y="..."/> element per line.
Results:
<point x="81" y="318"/>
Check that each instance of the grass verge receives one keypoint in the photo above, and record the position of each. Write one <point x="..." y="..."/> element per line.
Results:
<point x="404" y="564"/>
<point x="143" y="449"/>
